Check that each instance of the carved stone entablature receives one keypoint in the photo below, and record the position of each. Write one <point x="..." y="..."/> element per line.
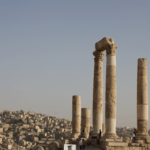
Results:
<point x="112" y="49"/>
<point x="104" y="44"/>
<point x="98" y="55"/>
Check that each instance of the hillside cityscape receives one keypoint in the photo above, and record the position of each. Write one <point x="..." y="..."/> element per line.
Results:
<point x="30" y="130"/>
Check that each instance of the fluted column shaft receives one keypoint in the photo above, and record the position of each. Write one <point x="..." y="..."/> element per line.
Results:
<point x="85" y="121"/>
<point x="142" y="98"/>
<point x="76" y="116"/>
<point x="98" y="91"/>
<point x="110" y="97"/>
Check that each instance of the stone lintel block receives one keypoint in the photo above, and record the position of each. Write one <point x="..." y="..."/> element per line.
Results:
<point x="142" y="63"/>
<point x="104" y="44"/>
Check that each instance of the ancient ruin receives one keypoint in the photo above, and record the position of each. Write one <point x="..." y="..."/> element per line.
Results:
<point x="142" y="101"/>
<point x="21" y="130"/>
<point x="76" y="116"/>
<point x="110" y="140"/>
<point x="85" y="122"/>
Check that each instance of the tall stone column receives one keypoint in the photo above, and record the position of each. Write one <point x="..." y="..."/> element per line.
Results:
<point x="85" y="121"/>
<point x="142" y="98"/>
<point x="110" y="97"/>
<point x="98" y="92"/>
<point x="76" y="116"/>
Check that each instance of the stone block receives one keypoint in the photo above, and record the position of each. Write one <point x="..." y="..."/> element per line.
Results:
<point x="139" y="141"/>
<point x="107" y="140"/>
<point x="148" y="141"/>
<point x="135" y="144"/>
<point x="118" y="140"/>
<point x="116" y="144"/>
<point x="104" y="44"/>
<point x="142" y="144"/>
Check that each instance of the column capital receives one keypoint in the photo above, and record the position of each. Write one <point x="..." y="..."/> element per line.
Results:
<point x="112" y="49"/>
<point x="98" y="55"/>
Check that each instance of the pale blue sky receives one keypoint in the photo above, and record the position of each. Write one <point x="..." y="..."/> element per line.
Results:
<point x="46" y="53"/>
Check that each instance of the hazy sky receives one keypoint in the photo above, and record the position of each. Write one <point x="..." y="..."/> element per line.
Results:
<point x="46" y="53"/>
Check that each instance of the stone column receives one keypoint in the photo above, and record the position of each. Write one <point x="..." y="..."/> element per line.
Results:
<point x="76" y="116"/>
<point x="110" y="97"/>
<point x="98" y="92"/>
<point x="85" y="121"/>
<point x="142" y="98"/>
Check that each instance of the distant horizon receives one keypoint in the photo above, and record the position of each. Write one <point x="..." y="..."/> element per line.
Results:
<point x="67" y="119"/>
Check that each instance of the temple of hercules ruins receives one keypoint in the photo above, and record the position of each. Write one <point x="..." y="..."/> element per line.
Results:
<point x="81" y="116"/>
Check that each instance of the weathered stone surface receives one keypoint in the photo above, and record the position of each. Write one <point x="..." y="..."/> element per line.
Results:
<point x="98" y="91"/>
<point x="142" y="113"/>
<point x="98" y="83"/>
<point x="112" y="50"/>
<point x="98" y="55"/>
<point x="111" y="71"/>
<point x="111" y="95"/>
<point x="76" y="115"/>
<point x="142" y="63"/>
<point x="112" y="110"/>
<point x="110" y="98"/>
<point x="110" y="83"/>
<point x="142" y="72"/>
<point x="143" y="126"/>
<point x="142" y="83"/>
<point x="98" y="108"/>
<point x="98" y="95"/>
<point x="85" y="121"/>
<point x="142" y="99"/>
<point x="104" y="44"/>
<point x="116" y="144"/>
